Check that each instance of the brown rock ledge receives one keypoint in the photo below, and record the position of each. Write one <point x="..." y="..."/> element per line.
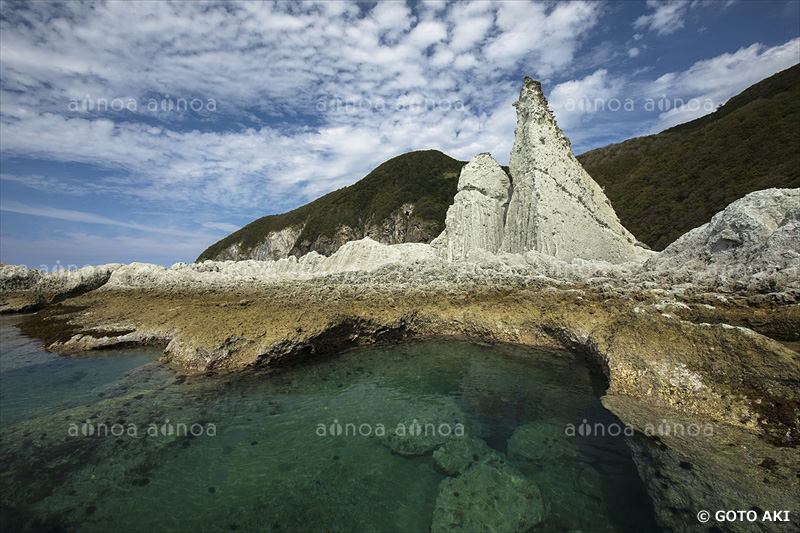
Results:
<point x="720" y="372"/>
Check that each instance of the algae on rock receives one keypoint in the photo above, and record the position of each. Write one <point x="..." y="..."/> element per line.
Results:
<point x="490" y="496"/>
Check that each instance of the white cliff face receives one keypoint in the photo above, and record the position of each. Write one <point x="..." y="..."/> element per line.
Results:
<point x="556" y="207"/>
<point x="476" y="219"/>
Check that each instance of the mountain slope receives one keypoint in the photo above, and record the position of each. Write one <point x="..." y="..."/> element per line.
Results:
<point x="666" y="184"/>
<point x="403" y="200"/>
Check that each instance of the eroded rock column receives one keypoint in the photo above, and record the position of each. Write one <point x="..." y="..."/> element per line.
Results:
<point x="556" y="207"/>
<point x="475" y="220"/>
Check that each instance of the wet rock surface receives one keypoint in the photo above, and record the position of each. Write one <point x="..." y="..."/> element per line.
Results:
<point x="490" y="496"/>
<point x="431" y="427"/>
<point x="687" y="471"/>
<point x="542" y="442"/>
<point x="457" y="455"/>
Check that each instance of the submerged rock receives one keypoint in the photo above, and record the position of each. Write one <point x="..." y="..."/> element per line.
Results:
<point x="556" y="207"/>
<point x="490" y="496"/>
<point x="456" y="455"/>
<point x="541" y="441"/>
<point x="423" y="432"/>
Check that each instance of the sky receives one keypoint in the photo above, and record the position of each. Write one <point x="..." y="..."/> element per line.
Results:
<point x="148" y="131"/>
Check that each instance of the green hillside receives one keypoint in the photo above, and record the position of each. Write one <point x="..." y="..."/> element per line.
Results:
<point x="663" y="185"/>
<point x="427" y="179"/>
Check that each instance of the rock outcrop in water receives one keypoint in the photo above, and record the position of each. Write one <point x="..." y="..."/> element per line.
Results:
<point x="476" y="219"/>
<point x="490" y="496"/>
<point x="556" y="207"/>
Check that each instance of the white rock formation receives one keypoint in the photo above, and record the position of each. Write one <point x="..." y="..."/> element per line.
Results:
<point x="475" y="220"/>
<point x="754" y="243"/>
<point x="35" y="289"/>
<point x="556" y="207"/>
<point x="365" y="255"/>
<point x="276" y="245"/>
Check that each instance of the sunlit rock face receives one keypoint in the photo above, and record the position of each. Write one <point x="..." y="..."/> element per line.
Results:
<point x="555" y="206"/>
<point x="754" y="243"/>
<point x="476" y="219"/>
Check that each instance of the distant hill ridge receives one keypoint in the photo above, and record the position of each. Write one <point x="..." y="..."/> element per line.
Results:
<point x="404" y="199"/>
<point x="665" y="184"/>
<point x="661" y="185"/>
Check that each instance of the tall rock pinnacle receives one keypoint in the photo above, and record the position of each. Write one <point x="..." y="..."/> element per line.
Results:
<point x="556" y="207"/>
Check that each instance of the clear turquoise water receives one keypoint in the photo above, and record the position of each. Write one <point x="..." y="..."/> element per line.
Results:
<point x="265" y="466"/>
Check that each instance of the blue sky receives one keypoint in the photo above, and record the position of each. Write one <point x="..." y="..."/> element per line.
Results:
<point x="147" y="131"/>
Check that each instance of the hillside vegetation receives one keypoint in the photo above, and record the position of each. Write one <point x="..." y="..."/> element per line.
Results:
<point x="663" y="185"/>
<point x="426" y="179"/>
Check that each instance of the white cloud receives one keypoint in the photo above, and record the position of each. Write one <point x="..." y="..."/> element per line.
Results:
<point x="573" y="99"/>
<point x="427" y="33"/>
<point x="558" y="32"/>
<point x="667" y="16"/>
<point x="51" y="56"/>
<point x="222" y="226"/>
<point x="470" y="30"/>
<point x="465" y="62"/>
<point x="711" y="82"/>
<point x="633" y="52"/>
<point x="81" y="216"/>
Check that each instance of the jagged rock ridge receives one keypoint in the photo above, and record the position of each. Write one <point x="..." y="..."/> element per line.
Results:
<point x="753" y="241"/>
<point x="550" y="204"/>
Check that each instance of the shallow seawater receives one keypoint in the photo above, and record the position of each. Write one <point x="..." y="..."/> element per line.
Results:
<point x="115" y="441"/>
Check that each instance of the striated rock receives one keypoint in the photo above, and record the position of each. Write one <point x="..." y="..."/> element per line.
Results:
<point x="490" y="496"/>
<point x="475" y="220"/>
<point x="556" y="207"/>
<point x="365" y="255"/>
<point x="753" y="244"/>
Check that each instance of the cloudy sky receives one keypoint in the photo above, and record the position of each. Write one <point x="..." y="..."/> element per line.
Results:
<point x="147" y="131"/>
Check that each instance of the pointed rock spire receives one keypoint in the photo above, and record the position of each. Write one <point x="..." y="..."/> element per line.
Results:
<point x="556" y="207"/>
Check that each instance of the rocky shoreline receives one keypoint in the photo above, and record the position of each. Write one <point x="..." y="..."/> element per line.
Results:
<point x="664" y="363"/>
